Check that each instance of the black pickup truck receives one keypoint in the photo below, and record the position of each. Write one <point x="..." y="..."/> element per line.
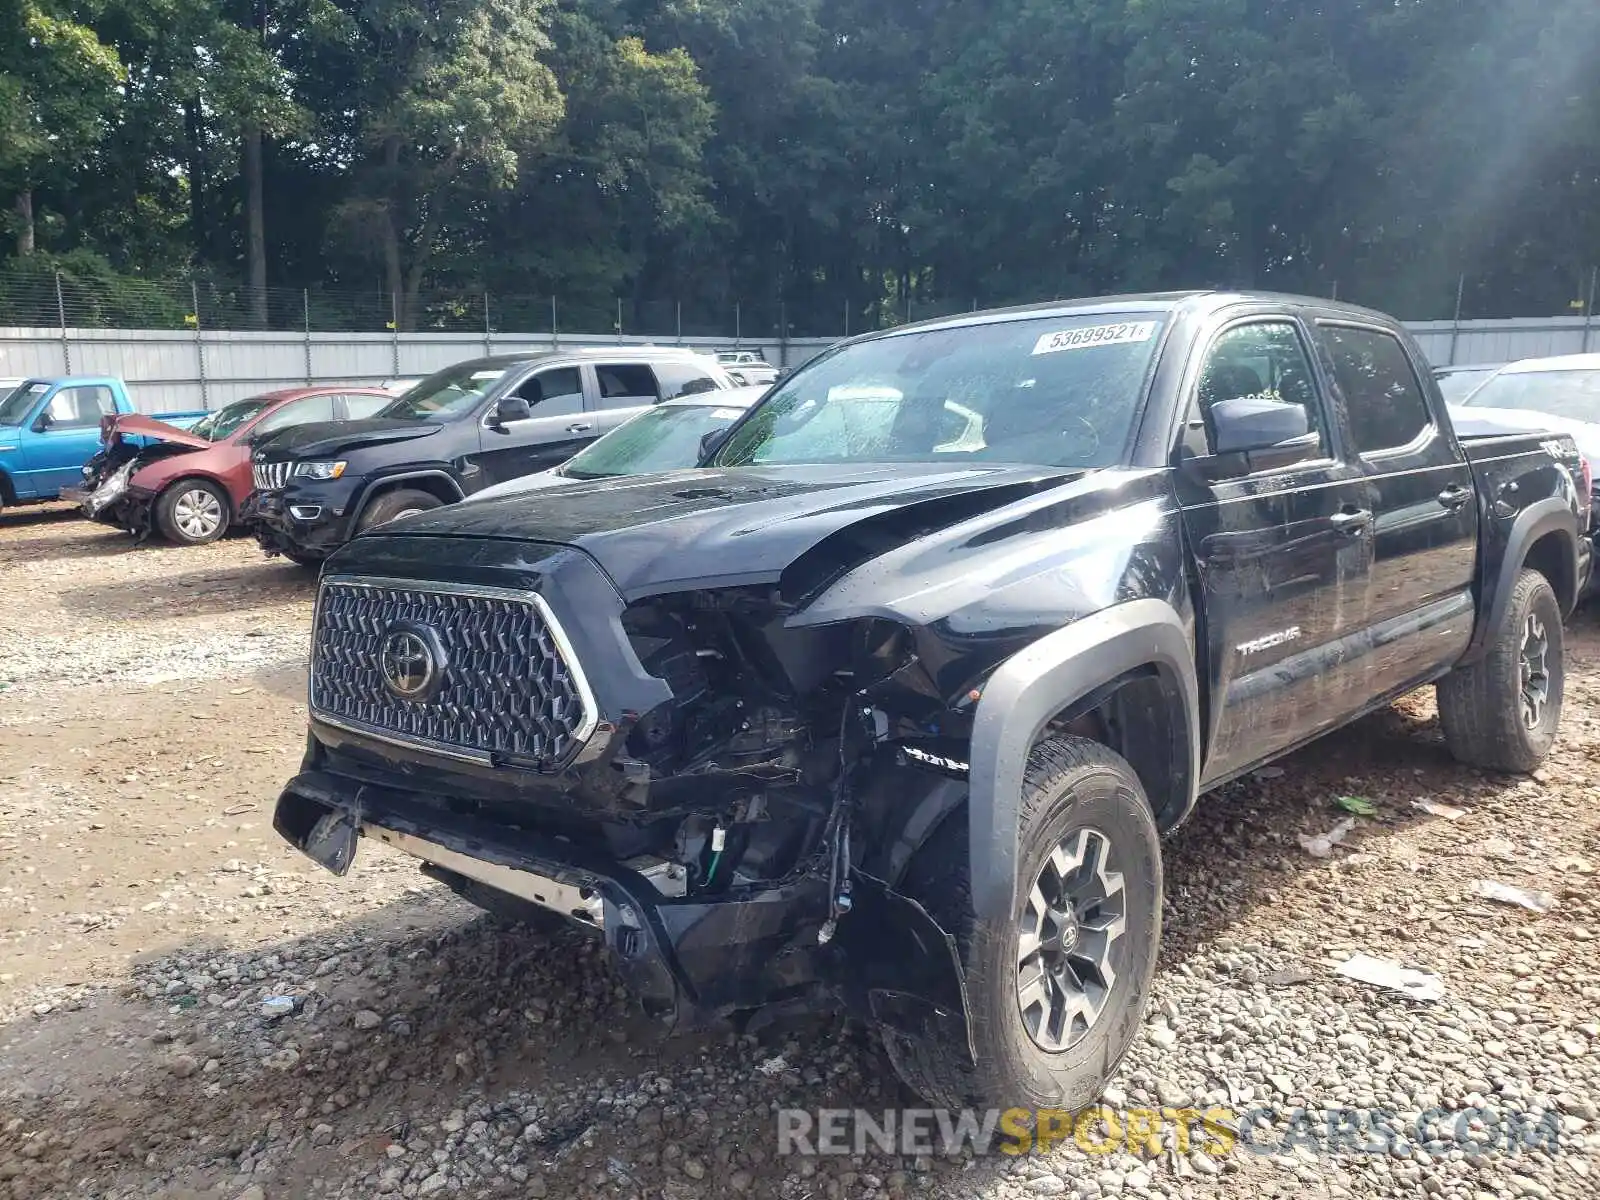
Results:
<point x="872" y="711"/>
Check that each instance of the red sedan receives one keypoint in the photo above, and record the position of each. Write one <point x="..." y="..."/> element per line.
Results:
<point x="188" y="483"/>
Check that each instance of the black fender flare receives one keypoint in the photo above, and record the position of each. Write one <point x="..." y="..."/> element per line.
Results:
<point x="383" y="481"/>
<point x="1033" y="686"/>
<point x="1550" y="515"/>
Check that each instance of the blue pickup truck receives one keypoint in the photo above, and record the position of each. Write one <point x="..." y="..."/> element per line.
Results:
<point x="50" y="427"/>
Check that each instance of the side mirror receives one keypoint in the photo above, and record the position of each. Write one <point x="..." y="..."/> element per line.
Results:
<point x="42" y="421"/>
<point x="1247" y="423"/>
<point x="711" y="442"/>
<point x="1256" y="434"/>
<point x="511" y="408"/>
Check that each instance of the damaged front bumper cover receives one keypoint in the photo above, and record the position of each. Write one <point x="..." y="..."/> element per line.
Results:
<point x="309" y="530"/>
<point x="115" y="503"/>
<point x="100" y="492"/>
<point x="690" y="959"/>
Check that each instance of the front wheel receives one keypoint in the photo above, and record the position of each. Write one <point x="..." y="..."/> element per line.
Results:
<point x="1502" y="712"/>
<point x="192" y="512"/>
<point x="391" y="506"/>
<point x="1056" y="989"/>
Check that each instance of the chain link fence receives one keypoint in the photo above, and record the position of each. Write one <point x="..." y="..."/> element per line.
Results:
<point x="44" y="299"/>
<point x="61" y="299"/>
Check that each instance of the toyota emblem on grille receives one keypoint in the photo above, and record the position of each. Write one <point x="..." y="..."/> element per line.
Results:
<point x="412" y="663"/>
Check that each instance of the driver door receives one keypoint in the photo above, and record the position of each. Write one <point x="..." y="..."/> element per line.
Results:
<point x="561" y="421"/>
<point x="1283" y="557"/>
<point x="65" y="436"/>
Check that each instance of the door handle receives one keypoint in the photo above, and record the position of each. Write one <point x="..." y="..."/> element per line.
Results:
<point x="1454" y="497"/>
<point x="580" y="427"/>
<point x="1350" y="520"/>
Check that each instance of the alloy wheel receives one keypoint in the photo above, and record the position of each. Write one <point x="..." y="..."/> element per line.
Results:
<point x="1535" y="671"/>
<point x="1071" y="922"/>
<point x="198" y="513"/>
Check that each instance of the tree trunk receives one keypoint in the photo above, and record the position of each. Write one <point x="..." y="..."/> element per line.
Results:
<point x="393" y="275"/>
<point x="256" y="236"/>
<point x="25" y="221"/>
<point x="194" y="144"/>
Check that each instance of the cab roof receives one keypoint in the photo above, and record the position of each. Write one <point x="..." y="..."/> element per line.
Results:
<point x="1201" y="300"/>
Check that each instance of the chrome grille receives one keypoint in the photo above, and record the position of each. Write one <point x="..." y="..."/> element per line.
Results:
<point x="509" y="687"/>
<point x="270" y="476"/>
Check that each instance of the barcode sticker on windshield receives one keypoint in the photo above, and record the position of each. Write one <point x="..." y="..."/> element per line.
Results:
<point x="1095" y="335"/>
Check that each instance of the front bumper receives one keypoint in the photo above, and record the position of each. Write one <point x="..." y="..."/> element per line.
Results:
<point x="690" y="959"/>
<point x="130" y="510"/>
<point x="312" y="525"/>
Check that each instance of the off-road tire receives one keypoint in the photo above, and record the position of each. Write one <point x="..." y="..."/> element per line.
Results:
<point x="1071" y="783"/>
<point x="401" y="502"/>
<point x="177" y="514"/>
<point x="1481" y="705"/>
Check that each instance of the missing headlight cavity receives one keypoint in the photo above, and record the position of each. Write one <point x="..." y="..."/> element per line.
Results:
<point x="766" y="726"/>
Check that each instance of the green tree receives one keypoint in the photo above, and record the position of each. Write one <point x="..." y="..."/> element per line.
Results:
<point x="57" y="90"/>
<point x="429" y="108"/>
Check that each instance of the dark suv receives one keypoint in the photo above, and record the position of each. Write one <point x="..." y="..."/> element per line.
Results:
<point x="459" y="430"/>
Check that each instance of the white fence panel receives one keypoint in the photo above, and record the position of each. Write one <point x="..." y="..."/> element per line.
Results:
<point x="28" y="352"/>
<point x="176" y="369"/>
<point x="1503" y="341"/>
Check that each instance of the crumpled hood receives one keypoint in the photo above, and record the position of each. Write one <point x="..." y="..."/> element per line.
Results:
<point x="333" y="437"/>
<point x="137" y="425"/>
<point x="654" y="533"/>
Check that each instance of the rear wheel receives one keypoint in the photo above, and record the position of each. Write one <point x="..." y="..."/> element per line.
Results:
<point x="391" y="506"/>
<point x="1057" y="989"/>
<point x="1503" y="711"/>
<point x="192" y="512"/>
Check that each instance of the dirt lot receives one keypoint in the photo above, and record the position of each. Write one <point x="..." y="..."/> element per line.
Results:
<point x="151" y="703"/>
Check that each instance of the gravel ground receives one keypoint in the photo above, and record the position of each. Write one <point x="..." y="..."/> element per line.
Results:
<point x="153" y="704"/>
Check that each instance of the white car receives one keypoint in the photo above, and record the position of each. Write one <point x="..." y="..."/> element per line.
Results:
<point x="748" y="367"/>
<point x="665" y="437"/>
<point x="1561" y="394"/>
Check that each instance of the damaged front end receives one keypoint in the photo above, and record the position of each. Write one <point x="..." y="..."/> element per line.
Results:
<point x="725" y="799"/>
<point x="109" y="494"/>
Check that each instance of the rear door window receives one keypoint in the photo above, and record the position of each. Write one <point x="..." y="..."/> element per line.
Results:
<point x="683" y="379"/>
<point x="625" y="385"/>
<point x="1382" y="395"/>
<point x="296" y="412"/>
<point x="358" y="406"/>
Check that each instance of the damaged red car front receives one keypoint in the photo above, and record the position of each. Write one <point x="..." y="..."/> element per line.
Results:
<point x="187" y="484"/>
